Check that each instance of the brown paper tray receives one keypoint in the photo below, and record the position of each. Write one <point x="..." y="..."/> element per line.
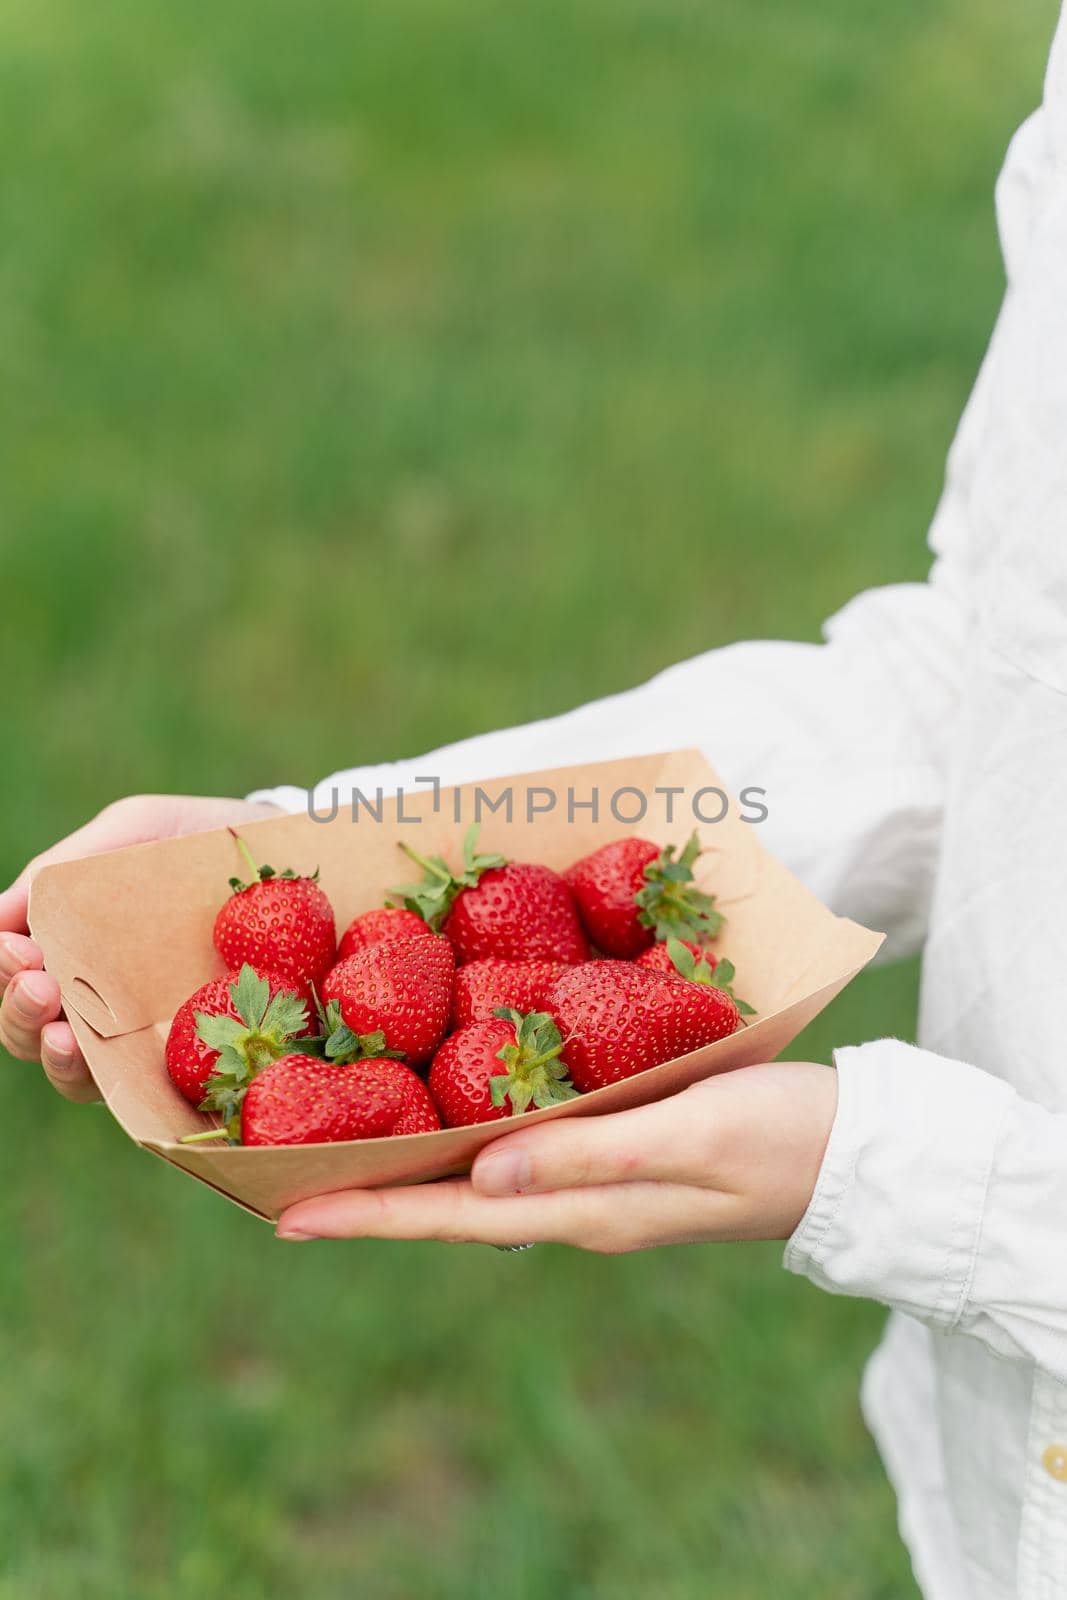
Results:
<point x="128" y="937"/>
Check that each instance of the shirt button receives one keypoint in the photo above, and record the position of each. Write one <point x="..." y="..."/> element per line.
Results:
<point x="1054" y="1462"/>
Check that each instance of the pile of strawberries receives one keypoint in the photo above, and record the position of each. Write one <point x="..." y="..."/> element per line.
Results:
<point x="472" y="996"/>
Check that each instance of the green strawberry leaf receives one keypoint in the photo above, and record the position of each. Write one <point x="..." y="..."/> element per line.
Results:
<point x="536" y="1074"/>
<point x="263" y="1034"/>
<point x="251" y="996"/>
<point x="342" y="1041"/>
<point x="473" y="863"/>
<point x="669" y="902"/>
<point x="432" y="897"/>
<point x="683" y="959"/>
<point x="720" y="976"/>
<point x="286" y="1014"/>
<point x="223" y="1094"/>
<point x="554" y="1089"/>
<point x="218" y="1032"/>
<point x="690" y="851"/>
<point x="343" y="1046"/>
<point x="312" y="1045"/>
<point x="500" y="1089"/>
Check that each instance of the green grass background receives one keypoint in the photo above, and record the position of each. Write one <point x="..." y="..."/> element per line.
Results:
<point x="376" y="374"/>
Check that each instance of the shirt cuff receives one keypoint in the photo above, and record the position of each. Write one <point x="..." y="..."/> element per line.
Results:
<point x="897" y="1210"/>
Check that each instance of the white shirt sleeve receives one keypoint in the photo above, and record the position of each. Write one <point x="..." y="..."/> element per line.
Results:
<point x="846" y="738"/>
<point x="943" y="1194"/>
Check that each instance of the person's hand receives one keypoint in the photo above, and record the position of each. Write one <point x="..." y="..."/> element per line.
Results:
<point x="733" y="1158"/>
<point x="31" y="1018"/>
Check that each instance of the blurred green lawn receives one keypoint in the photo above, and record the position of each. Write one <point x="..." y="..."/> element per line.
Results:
<point x="377" y="374"/>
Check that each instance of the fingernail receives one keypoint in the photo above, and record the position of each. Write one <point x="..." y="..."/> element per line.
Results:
<point x="10" y="961"/>
<point x="61" y="1061"/>
<point x="30" y="996"/>
<point x="504" y="1172"/>
<point x="294" y="1235"/>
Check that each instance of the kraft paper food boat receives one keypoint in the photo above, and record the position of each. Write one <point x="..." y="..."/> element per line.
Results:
<point x="99" y="922"/>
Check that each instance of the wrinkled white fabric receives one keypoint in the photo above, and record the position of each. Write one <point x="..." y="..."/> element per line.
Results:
<point x="916" y="769"/>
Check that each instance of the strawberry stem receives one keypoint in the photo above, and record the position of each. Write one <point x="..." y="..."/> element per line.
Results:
<point x="202" y="1138"/>
<point x="434" y="869"/>
<point x="250" y="860"/>
<point x="530" y="1062"/>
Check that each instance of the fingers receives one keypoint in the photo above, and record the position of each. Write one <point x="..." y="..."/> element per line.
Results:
<point x="64" y="1065"/>
<point x="449" y="1211"/>
<point x="17" y="954"/>
<point x="609" y="1220"/>
<point x="31" y="1000"/>
<point x="14" y="902"/>
<point x="660" y="1142"/>
<point x="28" y="1026"/>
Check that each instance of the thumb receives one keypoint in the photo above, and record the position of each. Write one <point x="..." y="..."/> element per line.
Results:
<point x="646" y="1144"/>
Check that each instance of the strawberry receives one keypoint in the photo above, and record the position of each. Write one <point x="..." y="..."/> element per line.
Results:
<point x="278" y="923"/>
<point x="300" y="1101"/>
<point x="630" y="892"/>
<point x="402" y="987"/>
<point x="658" y="957"/>
<point x="518" y="912"/>
<point x="515" y="911"/>
<point x="699" y="966"/>
<point x="235" y="1024"/>
<point x="372" y="927"/>
<point x="498" y="1068"/>
<point x="618" y="1019"/>
<point x="482" y="987"/>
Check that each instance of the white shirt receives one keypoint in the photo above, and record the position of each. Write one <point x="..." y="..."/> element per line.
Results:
<point x="916" y="769"/>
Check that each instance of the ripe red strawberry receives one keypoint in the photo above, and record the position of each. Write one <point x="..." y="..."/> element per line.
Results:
<point x="658" y="957"/>
<point x="518" y="912"/>
<point x="699" y="966"/>
<point x="400" y="987"/>
<point x="617" y="1019"/>
<point x="515" y="911"/>
<point x="630" y="892"/>
<point x="301" y="1101"/>
<point x="482" y="987"/>
<point x="372" y="927"/>
<point x="279" y="923"/>
<point x="246" y="1018"/>
<point x="498" y="1068"/>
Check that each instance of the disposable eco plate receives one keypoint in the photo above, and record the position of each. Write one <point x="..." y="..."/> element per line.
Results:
<point x="128" y="937"/>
